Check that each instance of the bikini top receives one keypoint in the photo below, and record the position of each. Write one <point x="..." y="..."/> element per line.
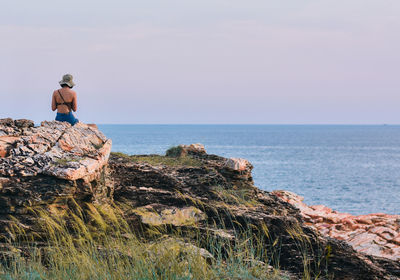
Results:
<point x="68" y="104"/>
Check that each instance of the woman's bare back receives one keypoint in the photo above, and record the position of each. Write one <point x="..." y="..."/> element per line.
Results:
<point x="69" y="97"/>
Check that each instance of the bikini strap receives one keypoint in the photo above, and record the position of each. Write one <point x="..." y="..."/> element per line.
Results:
<point x="65" y="103"/>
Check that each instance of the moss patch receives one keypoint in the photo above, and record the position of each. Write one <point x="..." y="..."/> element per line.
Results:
<point x="65" y="161"/>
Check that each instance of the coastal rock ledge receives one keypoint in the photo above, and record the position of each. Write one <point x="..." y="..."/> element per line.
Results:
<point x="53" y="148"/>
<point x="54" y="167"/>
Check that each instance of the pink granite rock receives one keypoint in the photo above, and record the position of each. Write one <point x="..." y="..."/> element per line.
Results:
<point x="193" y="149"/>
<point x="6" y="143"/>
<point x="238" y="164"/>
<point x="185" y="150"/>
<point x="374" y="234"/>
<point x="54" y="148"/>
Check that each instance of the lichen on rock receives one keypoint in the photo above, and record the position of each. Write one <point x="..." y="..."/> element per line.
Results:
<point x="156" y="216"/>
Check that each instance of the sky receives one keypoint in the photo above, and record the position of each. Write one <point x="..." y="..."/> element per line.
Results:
<point x="204" y="62"/>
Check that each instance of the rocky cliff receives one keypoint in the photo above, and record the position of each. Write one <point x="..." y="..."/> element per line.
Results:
<point x="187" y="190"/>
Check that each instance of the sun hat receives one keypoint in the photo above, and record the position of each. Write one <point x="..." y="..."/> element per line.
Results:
<point x="67" y="80"/>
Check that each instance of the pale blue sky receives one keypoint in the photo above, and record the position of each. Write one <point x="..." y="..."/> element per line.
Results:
<point x="206" y="61"/>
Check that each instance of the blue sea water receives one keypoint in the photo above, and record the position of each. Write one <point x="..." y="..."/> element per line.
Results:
<point x="349" y="168"/>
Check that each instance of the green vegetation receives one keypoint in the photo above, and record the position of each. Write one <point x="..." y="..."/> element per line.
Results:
<point x="97" y="146"/>
<point x="120" y="155"/>
<point x="321" y="255"/>
<point x="236" y="196"/>
<point x="162" y="160"/>
<point x="168" y="161"/>
<point x="176" y="151"/>
<point x="97" y="243"/>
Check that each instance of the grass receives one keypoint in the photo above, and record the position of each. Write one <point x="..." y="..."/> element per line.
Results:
<point x="311" y="270"/>
<point x="97" y="243"/>
<point x="120" y="155"/>
<point x="236" y="196"/>
<point x="162" y="160"/>
<point x="168" y="161"/>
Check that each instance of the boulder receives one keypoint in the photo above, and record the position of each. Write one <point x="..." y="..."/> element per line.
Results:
<point x="238" y="164"/>
<point x="194" y="148"/>
<point x="53" y="148"/>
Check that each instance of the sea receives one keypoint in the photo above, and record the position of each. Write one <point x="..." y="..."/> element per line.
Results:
<point x="349" y="168"/>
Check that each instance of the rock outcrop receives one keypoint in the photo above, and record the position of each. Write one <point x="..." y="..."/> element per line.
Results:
<point x="374" y="234"/>
<point x="48" y="164"/>
<point x="187" y="191"/>
<point x="54" y="148"/>
<point x="217" y="195"/>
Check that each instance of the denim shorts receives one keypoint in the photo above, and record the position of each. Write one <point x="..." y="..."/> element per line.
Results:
<point x="67" y="118"/>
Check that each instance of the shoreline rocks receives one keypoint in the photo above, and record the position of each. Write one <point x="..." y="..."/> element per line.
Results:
<point x="375" y="234"/>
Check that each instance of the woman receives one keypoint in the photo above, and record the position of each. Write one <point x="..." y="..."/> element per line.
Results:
<point x="64" y="101"/>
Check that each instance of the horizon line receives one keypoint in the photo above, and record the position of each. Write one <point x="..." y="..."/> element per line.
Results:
<point x="272" y="124"/>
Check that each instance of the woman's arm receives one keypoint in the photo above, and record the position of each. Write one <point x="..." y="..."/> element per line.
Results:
<point x="74" y="103"/>
<point x="53" y="103"/>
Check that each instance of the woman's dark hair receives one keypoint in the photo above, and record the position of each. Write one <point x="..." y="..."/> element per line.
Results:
<point x="65" y="85"/>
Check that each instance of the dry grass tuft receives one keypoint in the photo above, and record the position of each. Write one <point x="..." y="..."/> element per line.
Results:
<point x="96" y="242"/>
